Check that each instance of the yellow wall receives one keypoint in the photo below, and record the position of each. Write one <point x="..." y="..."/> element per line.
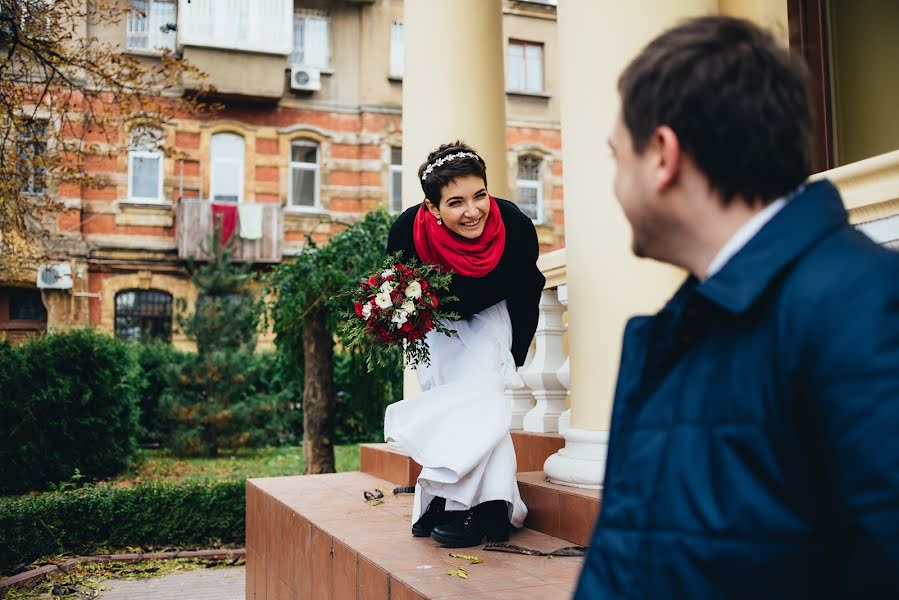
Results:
<point x="865" y="52"/>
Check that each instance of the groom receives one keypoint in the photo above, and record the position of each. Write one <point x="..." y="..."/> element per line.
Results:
<point x="754" y="446"/>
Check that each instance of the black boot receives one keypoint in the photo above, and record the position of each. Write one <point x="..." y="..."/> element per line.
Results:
<point x="435" y="514"/>
<point x="489" y="519"/>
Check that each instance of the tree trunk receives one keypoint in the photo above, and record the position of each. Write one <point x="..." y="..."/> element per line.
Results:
<point x="318" y="394"/>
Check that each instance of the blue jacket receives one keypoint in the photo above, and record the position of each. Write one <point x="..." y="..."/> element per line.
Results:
<point x="754" y="446"/>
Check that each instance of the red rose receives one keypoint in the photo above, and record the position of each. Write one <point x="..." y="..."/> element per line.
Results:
<point x="373" y="281"/>
<point x="423" y="283"/>
<point x="358" y="307"/>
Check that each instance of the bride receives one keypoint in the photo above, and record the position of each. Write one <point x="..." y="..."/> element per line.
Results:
<point x="458" y="427"/>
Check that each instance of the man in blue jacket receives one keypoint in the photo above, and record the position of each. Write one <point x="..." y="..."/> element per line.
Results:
<point x="754" y="446"/>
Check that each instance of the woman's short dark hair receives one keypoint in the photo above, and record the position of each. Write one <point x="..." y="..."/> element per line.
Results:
<point x="441" y="175"/>
<point x="738" y="102"/>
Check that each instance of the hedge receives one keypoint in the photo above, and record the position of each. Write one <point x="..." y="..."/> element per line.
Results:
<point x="152" y="514"/>
<point x="68" y="401"/>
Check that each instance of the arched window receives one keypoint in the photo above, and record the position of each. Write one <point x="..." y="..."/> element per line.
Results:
<point x="530" y="187"/>
<point x="143" y="314"/>
<point x="304" y="174"/>
<point x="226" y="156"/>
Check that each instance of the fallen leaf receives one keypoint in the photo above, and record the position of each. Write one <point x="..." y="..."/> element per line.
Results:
<point x="461" y="573"/>
<point x="472" y="559"/>
<point x="374" y="502"/>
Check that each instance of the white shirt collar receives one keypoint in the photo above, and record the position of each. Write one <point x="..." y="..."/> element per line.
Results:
<point x="742" y="236"/>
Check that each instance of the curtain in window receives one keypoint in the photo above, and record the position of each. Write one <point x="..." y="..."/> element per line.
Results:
<point x="316" y="42"/>
<point x="397" y="48"/>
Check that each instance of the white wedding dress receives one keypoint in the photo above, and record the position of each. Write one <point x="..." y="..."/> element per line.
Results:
<point x="458" y="427"/>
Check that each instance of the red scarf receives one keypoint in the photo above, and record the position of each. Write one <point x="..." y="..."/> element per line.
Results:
<point x="437" y="245"/>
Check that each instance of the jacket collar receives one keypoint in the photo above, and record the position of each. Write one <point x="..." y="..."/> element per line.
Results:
<point x="807" y="217"/>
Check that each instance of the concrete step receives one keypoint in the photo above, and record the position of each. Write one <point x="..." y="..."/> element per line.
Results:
<point x="314" y="536"/>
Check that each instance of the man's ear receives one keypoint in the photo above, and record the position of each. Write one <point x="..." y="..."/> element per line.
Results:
<point x="668" y="151"/>
<point x="433" y="209"/>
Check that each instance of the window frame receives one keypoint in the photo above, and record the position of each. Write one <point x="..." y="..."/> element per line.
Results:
<point x="536" y="184"/>
<point x="307" y="15"/>
<point x="213" y="161"/>
<point x="116" y="315"/>
<point x="157" y="154"/>
<point x="315" y="167"/>
<point x="152" y="27"/>
<point x="395" y="168"/>
<point x="35" y="136"/>
<point x="515" y="42"/>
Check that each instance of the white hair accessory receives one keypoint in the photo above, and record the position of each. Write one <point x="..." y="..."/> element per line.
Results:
<point x="440" y="161"/>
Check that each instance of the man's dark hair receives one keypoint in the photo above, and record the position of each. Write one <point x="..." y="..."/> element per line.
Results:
<point x="441" y="175"/>
<point x="738" y="102"/>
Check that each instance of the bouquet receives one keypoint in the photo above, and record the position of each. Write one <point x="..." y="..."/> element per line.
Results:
<point x="398" y="306"/>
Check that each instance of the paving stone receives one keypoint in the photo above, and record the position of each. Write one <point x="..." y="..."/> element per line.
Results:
<point x="200" y="584"/>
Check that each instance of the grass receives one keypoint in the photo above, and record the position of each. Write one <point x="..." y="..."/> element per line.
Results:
<point x="160" y="465"/>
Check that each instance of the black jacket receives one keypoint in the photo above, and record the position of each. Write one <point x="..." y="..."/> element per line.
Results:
<point x="516" y="278"/>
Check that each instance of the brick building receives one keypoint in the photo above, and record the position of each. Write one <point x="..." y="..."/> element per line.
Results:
<point x="309" y="138"/>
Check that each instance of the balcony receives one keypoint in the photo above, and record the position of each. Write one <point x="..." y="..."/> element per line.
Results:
<point x="241" y="45"/>
<point x="195" y="226"/>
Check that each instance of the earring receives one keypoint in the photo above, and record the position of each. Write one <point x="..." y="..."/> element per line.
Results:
<point x="439" y="221"/>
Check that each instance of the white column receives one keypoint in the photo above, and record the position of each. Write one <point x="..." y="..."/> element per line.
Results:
<point x="540" y="375"/>
<point x="606" y="284"/>
<point x="564" y="372"/>
<point x="453" y="88"/>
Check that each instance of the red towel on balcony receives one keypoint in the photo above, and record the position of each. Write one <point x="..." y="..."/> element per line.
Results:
<point x="226" y="214"/>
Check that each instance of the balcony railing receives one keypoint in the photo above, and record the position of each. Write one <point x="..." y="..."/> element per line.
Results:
<point x="540" y="405"/>
<point x="195" y="226"/>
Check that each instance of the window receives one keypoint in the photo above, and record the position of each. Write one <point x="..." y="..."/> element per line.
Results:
<point x="151" y="25"/>
<point x="25" y="305"/>
<point x="530" y="187"/>
<point x="397" y="48"/>
<point x="143" y="314"/>
<point x="304" y="174"/>
<point x="145" y="165"/>
<point x="311" y="40"/>
<point x="226" y="159"/>
<point x="524" y="67"/>
<point x="32" y="151"/>
<point x="396" y="180"/>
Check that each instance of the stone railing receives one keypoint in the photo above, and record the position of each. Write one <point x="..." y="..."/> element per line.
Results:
<point x="540" y="405"/>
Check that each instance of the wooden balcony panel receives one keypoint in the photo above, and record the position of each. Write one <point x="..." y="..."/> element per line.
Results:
<point x="195" y="225"/>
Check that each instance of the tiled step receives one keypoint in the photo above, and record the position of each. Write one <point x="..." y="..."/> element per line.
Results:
<point x="314" y="536"/>
<point x="560" y="511"/>
<point x="387" y="462"/>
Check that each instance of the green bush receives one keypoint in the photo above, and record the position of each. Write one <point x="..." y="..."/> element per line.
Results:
<point x="68" y="404"/>
<point x="226" y="399"/>
<point x="82" y="520"/>
<point x="362" y="397"/>
<point x="157" y="361"/>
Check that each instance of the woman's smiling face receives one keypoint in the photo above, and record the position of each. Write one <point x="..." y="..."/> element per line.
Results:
<point x="464" y="206"/>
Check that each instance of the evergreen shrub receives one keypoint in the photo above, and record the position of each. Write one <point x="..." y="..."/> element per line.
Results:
<point x="68" y="407"/>
<point x="153" y="514"/>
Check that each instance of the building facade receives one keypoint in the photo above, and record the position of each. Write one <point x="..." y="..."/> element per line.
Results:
<point x="307" y="139"/>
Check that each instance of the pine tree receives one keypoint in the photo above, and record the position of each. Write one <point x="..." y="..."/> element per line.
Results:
<point x="217" y="399"/>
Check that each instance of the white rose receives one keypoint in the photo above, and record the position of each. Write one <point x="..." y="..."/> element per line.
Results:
<point x="366" y="311"/>
<point x="413" y="290"/>
<point x="387" y="273"/>
<point x="386" y="287"/>
<point x="383" y="300"/>
<point x="399" y="317"/>
<point x="409" y="307"/>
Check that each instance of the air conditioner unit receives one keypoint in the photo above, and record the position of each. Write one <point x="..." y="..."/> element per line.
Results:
<point x="55" y="277"/>
<point x="305" y="78"/>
